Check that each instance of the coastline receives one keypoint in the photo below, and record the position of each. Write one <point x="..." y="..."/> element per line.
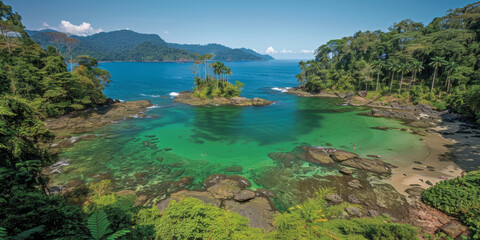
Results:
<point x="438" y="136"/>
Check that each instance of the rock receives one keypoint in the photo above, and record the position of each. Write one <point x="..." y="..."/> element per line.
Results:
<point x="362" y="93"/>
<point x="355" y="183"/>
<point x="371" y="165"/>
<point x="415" y="191"/>
<point x="213" y="179"/>
<point x="260" y="192"/>
<point x="241" y="181"/>
<point x="373" y="213"/>
<point x="353" y="199"/>
<point x="349" y="95"/>
<point x="233" y="169"/>
<point x="93" y="118"/>
<point x="334" y="198"/>
<point x="418" y="169"/>
<point x="258" y="211"/>
<point x="225" y="189"/>
<point x="429" y="183"/>
<point x="319" y="156"/>
<point x="346" y="171"/>
<point x="453" y="229"/>
<point x="354" y="211"/>
<point x="87" y="137"/>
<point x="340" y="155"/>
<point x="244" y="195"/>
<point x="380" y="128"/>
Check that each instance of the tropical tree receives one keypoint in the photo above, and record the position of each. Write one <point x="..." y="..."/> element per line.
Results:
<point x="392" y="67"/>
<point x="226" y="71"/>
<point x="302" y="76"/>
<point x="452" y="67"/>
<point x="417" y="67"/>
<point x="436" y="62"/>
<point x="378" y="64"/>
<point x="402" y="68"/>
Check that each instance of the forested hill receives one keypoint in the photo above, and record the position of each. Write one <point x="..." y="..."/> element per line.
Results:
<point x="437" y="64"/>
<point x="127" y="45"/>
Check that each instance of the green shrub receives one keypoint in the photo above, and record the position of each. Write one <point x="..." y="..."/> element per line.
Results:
<point x="193" y="219"/>
<point x="458" y="197"/>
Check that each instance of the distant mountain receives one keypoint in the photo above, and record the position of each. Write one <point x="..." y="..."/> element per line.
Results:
<point x="127" y="45"/>
<point x="223" y="53"/>
<point x="264" y="56"/>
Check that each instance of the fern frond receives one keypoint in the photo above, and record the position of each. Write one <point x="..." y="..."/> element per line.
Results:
<point x="118" y="234"/>
<point x="27" y="233"/>
<point x="98" y="224"/>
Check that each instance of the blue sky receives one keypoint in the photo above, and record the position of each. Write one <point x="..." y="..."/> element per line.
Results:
<point x="289" y="29"/>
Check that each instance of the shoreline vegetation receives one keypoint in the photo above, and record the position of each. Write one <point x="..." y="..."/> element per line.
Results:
<point x="37" y="87"/>
<point x="213" y="88"/>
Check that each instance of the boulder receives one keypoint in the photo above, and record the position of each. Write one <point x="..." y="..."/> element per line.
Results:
<point x="345" y="171"/>
<point x="354" y="211"/>
<point x="319" y="156"/>
<point x="362" y="93"/>
<point x="371" y="165"/>
<point x="258" y="211"/>
<point x="225" y="189"/>
<point x="340" y="155"/>
<point x="334" y="198"/>
<point x="453" y="229"/>
<point x="244" y="195"/>
<point x="355" y="183"/>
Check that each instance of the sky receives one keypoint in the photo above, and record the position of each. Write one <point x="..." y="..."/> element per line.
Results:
<point x="284" y="29"/>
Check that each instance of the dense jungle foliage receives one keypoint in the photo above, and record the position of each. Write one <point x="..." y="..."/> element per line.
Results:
<point x="458" y="197"/>
<point x="436" y="64"/>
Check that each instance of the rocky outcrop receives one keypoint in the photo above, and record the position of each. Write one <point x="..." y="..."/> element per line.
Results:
<point x="187" y="98"/>
<point x="326" y="156"/>
<point x="91" y="119"/>
<point x="229" y="192"/>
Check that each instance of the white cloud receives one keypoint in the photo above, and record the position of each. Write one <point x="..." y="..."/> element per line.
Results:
<point x="286" y="51"/>
<point x="83" y="29"/>
<point x="306" y="51"/>
<point x="166" y="32"/>
<point x="270" y="50"/>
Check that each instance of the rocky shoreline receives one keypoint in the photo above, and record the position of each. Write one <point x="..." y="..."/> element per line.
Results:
<point x="187" y="98"/>
<point x="453" y="143"/>
<point x="89" y="120"/>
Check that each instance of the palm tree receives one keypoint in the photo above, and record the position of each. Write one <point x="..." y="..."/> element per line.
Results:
<point x="303" y="66"/>
<point x="403" y="68"/>
<point x="227" y="71"/>
<point x="393" y="68"/>
<point x="417" y="67"/>
<point x="378" y="65"/>
<point x="437" y="62"/>
<point x="217" y="69"/>
<point x="452" y="67"/>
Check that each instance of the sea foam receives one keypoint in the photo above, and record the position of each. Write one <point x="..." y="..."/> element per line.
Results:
<point x="280" y="89"/>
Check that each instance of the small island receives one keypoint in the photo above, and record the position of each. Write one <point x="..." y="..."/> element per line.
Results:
<point x="215" y="89"/>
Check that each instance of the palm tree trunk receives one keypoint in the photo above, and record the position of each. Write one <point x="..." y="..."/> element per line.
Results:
<point x="378" y="79"/>
<point x="391" y="81"/>
<point x="448" y="84"/>
<point x="434" y="76"/>
<point x="410" y="84"/>
<point x="401" y="83"/>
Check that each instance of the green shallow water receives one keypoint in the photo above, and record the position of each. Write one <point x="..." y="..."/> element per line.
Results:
<point x="205" y="140"/>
